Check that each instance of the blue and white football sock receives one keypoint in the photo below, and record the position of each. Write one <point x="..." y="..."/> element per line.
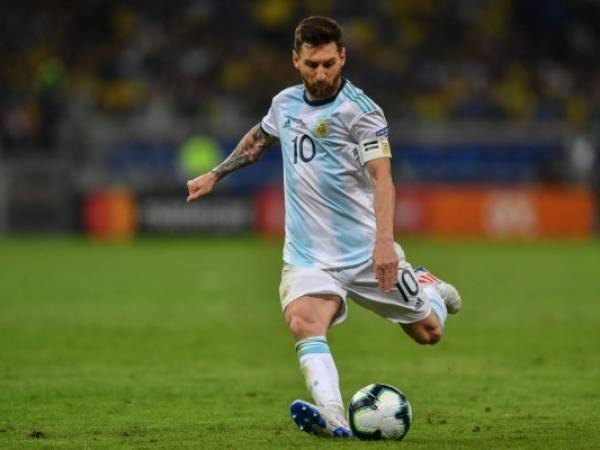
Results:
<point x="320" y="373"/>
<point x="437" y="303"/>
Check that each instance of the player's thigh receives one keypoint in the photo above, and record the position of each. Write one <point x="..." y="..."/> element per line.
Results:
<point x="309" y="292"/>
<point x="406" y="304"/>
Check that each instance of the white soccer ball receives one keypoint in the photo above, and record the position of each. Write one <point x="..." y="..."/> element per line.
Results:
<point x="379" y="411"/>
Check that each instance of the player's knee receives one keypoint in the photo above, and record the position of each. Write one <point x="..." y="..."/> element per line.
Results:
<point x="429" y="336"/>
<point x="435" y="336"/>
<point x="301" y="326"/>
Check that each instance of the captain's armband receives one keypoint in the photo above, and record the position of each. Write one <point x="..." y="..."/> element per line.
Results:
<point x="373" y="148"/>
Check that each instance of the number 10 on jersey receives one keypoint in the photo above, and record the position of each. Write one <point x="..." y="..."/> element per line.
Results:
<point x="304" y="148"/>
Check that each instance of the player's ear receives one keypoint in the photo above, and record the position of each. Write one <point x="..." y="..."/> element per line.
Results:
<point x="342" y="56"/>
<point x="295" y="58"/>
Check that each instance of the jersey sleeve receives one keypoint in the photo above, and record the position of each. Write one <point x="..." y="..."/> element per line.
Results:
<point x="370" y="131"/>
<point x="269" y="122"/>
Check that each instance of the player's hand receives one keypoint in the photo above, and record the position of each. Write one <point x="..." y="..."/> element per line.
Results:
<point x="200" y="186"/>
<point x="385" y="265"/>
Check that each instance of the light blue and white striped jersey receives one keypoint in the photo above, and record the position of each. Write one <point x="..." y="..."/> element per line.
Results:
<point x="329" y="210"/>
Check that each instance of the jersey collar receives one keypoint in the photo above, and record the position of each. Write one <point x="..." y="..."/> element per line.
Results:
<point x="325" y="100"/>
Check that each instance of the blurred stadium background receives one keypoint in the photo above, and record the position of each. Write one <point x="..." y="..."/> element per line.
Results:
<point x="106" y="108"/>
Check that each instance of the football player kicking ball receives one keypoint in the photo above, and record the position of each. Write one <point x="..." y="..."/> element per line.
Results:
<point x="339" y="210"/>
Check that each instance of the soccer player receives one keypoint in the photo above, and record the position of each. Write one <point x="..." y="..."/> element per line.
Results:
<point x="339" y="210"/>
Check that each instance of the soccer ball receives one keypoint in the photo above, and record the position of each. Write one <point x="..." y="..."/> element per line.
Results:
<point x="379" y="411"/>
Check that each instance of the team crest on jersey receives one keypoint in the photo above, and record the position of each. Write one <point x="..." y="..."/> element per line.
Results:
<point x="322" y="128"/>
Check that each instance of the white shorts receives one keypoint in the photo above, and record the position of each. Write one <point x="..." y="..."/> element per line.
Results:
<point x="405" y="304"/>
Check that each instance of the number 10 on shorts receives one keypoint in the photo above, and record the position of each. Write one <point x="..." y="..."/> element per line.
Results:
<point x="407" y="285"/>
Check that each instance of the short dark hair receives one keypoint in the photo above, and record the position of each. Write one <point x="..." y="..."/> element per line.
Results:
<point x="317" y="31"/>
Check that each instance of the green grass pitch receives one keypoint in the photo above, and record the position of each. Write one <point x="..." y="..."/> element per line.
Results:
<point x="180" y="344"/>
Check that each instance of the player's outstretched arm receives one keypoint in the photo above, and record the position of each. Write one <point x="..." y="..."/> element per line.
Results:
<point x="251" y="147"/>
<point x="385" y="260"/>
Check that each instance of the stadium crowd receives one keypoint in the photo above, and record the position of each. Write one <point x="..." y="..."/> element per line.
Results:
<point x="430" y="60"/>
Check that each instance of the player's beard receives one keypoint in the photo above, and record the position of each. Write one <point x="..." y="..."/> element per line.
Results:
<point x="322" y="90"/>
